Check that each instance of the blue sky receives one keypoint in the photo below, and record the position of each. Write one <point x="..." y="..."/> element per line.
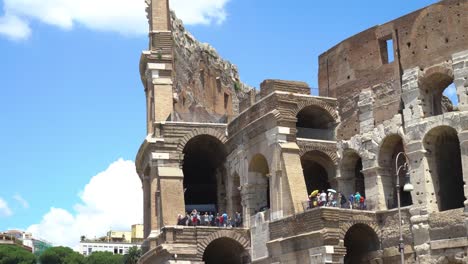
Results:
<point x="72" y="102"/>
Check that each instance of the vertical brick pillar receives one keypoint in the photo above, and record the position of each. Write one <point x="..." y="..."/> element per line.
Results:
<point x="366" y="111"/>
<point x="411" y="96"/>
<point x="294" y="186"/>
<point x="374" y="189"/>
<point x="460" y="78"/>
<point x="463" y="137"/>
<point x="423" y="193"/>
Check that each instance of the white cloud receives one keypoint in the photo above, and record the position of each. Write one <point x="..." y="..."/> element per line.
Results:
<point x="123" y="16"/>
<point x="21" y="200"/>
<point x="14" y="28"/>
<point x="4" y="209"/>
<point x="111" y="199"/>
<point x="200" y="11"/>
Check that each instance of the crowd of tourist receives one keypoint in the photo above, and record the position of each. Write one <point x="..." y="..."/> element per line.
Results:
<point x="332" y="198"/>
<point x="195" y="218"/>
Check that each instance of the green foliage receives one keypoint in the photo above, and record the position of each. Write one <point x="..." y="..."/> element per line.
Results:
<point x="104" y="258"/>
<point x="237" y="86"/>
<point x="134" y="253"/>
<point x="10" y="254"/>
<point x="61" y="255"/>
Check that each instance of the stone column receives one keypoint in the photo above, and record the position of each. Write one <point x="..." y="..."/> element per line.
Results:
<point x="463" y="137"/>
<point x="423" y="193"/>
<point x="159" y="84"/>
<point x="146" y="205"/>
<point x="411" y="96"/>
<point x="420" y="230"/>
<point x="294" y="187"/>
<point x="172" y="194"/>
<point x="248" y="192"/>
<point x="374" y="189"/>
<point x="460" y="78"/>
<point x="366" y="111"/>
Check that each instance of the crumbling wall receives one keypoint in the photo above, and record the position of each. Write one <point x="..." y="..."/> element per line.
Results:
<point x="423" y="38"/>
<point x="207" y="88"/>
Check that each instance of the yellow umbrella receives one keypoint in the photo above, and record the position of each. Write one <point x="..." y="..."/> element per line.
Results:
<point x="312" y="194"/>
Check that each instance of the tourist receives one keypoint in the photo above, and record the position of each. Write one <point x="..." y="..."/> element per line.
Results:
<point x="179" y="219"/>
<point x="225" y="219"/>
<point x="351" y="201"/>
<point x="323" y="199"/>
<point x="361" y="202"/>
<point x="357" y="198"/>
<point x="238" y="219"/>
<point x="220" y="220"/>
<point x="211" y="219"/>
<point x="342" y="200"/>
<point x="216" y="219"/>
<point x="206" y="219"/>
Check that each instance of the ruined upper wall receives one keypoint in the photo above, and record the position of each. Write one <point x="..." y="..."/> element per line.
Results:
<point x="207" y="87"/>
<point x="424" y="38"/>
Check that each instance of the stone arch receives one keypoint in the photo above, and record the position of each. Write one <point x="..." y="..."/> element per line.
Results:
<point x="239" y="237"/>
<point x="360" y="241"/>
<point x="203" y="167"/>
<point x="315" y="121"/>
<point x="331" y="153"/>
<point x="200" y="131"/>
<point x="443" y="155"/>
<point x="352" y="179"/>
<point x="432" y="83"/>
<point x="346" y="225"/>
<point x="319" y="171"/>
<point x="389" y="148"/>
<point x="317" y="103"/>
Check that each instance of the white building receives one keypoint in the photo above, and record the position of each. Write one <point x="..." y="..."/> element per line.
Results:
<point x="87" y="248"/>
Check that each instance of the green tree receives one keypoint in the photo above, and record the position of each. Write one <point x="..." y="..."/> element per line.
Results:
<point x="61" y="255"/>
<point x="11" y="254"/>
<point x="134" y="253"/>
<point x="104" y="258"/>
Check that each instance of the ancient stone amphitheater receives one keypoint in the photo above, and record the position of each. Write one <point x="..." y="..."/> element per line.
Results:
<point x="380" y="121"/>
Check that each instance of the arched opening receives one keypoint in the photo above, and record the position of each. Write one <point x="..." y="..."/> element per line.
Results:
<point x="204" y="171"/>
<point x="440" y="95"/>
<point x="444" y="159"/>
<point x="319" y="171"/>
<point x="359" y="241"/>
<point x="315" y="123"/>
<point x="391" y="146"/>
<point x="259" y="173"/>
<point x="352" y="177"/>
<point x="224" y="250"/>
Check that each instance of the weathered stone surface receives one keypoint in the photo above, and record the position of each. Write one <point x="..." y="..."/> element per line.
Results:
<point x="203" y="80"/>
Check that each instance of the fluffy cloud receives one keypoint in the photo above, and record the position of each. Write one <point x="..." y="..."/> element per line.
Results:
<point x="4" y="209"/>
<point x="18" y="198"/>
<point x="123" y="16"/>
<point x="111" y="200"/>
<point x="14" y="28"/>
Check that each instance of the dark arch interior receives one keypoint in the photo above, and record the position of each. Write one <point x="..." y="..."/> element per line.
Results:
<point x="204" y="157"/>
<point x="359" y="241"/>
<point x="359" y="185"/>
<point x="316" y="176"/>
<point x="387" y="159"/>
<point x="314" y="122"/>
<point x="224" y="250"/>
<point x="449" y="169"/>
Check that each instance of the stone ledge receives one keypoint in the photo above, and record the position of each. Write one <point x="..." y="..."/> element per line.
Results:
<point x="449" y="243"/>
